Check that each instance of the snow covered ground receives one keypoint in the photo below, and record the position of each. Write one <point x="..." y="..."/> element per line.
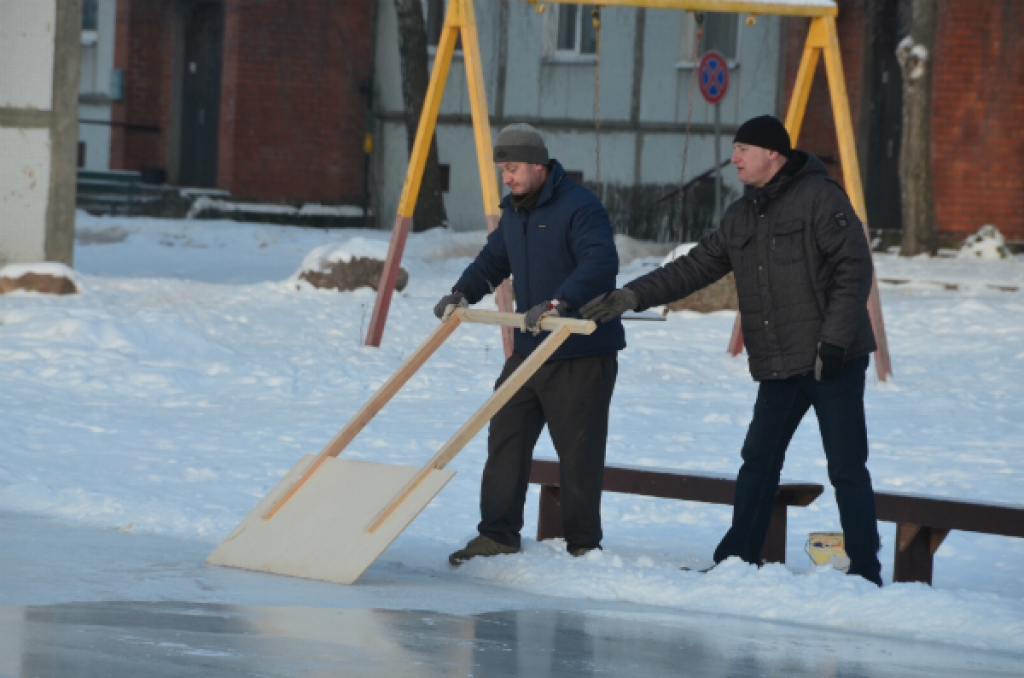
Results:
<point x="192" y="372"/>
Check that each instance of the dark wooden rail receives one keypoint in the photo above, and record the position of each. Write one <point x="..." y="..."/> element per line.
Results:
<point x="670" y="484"/>
<point x="922" y="524"/>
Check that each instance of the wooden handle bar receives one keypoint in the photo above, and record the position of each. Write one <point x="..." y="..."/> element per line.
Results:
<point x="490" y="407"/>
<point x="549" y="324"/>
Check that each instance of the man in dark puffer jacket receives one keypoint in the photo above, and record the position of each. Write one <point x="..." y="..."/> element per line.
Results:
<point x="803" y="275"/>
<point x="555" y="239"/>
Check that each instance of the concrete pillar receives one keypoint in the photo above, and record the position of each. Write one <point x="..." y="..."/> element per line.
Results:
<point x="40" y="42"/>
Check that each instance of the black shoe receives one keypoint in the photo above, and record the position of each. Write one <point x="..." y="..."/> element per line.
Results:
<point x="480" y="546"/>
<point x="580" y="551"/>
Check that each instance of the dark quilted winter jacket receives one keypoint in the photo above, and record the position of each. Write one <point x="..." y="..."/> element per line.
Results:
<point x="562" y="248"/>
<point x="803" y="270"/>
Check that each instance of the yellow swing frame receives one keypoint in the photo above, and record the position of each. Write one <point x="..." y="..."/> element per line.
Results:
<point x="822" y="40"/>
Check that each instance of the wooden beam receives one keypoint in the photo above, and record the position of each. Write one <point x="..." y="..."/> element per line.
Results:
<point x="549" y="324"/>
<point x="484" y="147"/>
<point x="497" y="400"/>
<point x="738" y="6"/>
<point x="368" y="411"/>
<point x="413" y="176"/>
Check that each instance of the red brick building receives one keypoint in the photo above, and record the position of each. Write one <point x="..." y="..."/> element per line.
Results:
<point x="977" y="123"/>
<point x="267" y="100"/>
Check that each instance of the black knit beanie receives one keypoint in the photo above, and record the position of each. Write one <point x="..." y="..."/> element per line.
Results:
<point x="520" y="143"/>
<point x="764" y="131"/>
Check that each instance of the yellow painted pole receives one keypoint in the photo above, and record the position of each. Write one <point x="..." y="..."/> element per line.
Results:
<point x="852" y="179"/>
<point x="816" y="41"/>
<point x="413" y="176"/>
<point x="428" y="118"/>
<point x="484" y="148"/>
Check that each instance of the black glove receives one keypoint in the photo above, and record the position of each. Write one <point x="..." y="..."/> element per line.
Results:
<point x="609" y="306"/>
<point x="829" y="363"/>
<point x="449" y="303"/>
<point x="545" y="309"/>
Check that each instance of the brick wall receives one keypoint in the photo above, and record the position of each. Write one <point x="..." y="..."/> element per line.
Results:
<point x="977" y="109"/>
<point x="292" y="109"/>
<point x="293" y="117"/>
<point x="144" y="50"/>
<point x="978" y="117"/>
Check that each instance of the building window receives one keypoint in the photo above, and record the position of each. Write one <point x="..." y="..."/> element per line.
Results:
<point x="575" y="30"/>
<point x="435" y="11"/>
<point x="720" y="30"/>
<point x="90" y="12"/>
<point x="721" y="33"/>
<point x="435" y="20"/>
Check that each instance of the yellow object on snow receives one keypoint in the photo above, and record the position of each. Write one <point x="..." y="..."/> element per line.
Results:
<point x="826" y="548"/>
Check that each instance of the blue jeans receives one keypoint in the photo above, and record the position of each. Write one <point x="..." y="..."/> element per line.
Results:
<point x="781" y="404"/>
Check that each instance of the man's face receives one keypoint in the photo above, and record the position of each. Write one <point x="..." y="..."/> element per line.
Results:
<point x="522" y="178"/>
<point x="755" y="165"/>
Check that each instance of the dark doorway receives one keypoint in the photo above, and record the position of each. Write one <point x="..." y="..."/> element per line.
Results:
<point x="200" y="101"/>
<point x="882" y="180"/>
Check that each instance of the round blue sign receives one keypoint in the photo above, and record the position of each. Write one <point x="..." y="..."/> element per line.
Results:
<point x="713" y="76"/>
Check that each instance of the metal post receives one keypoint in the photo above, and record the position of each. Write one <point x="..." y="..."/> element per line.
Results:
<point x="718" y="164"/>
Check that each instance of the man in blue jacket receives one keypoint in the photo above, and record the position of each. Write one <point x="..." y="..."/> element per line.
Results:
<point x="555" y="240"/>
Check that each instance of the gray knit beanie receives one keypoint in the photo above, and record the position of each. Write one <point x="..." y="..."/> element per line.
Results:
<point x="520" y="143"/>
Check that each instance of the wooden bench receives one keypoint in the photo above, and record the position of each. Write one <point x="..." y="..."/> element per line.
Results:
<point x="922" y="523"/>
<point x="670" y="484"/>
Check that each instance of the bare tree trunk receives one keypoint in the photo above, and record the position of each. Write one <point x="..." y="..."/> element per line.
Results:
<point x="918" y="207"/>
<point x="412" y="48"/>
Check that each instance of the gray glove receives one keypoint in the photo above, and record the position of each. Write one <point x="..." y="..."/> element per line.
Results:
<point x="609" y="306"/>
<point x="545" y="309"/>
<point x="449" y="302"/>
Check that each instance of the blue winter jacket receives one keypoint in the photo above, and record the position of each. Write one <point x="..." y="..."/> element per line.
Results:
<point x="562" y="248"/>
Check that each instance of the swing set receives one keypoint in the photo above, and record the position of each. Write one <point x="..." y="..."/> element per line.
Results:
<point x="460" y="20"/>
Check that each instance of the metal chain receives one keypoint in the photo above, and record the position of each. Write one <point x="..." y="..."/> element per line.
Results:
<point x="699" y="18"/>
<point x="595" y="15"/>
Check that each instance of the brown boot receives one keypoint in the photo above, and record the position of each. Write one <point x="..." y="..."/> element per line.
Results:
<point x="480" y="546"/>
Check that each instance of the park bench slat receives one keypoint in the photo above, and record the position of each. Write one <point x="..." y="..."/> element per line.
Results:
<point x="670" y="484"/>
<point x="950" y="514"/>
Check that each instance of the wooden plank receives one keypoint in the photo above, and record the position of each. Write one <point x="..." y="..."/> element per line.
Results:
<point x="413" y="178"/>
<point x="754" y="7"/>
<point x="319" y="534"/>
<point x="914" y="562"/>
<point x="774" y="548"/>
<point x="685" y="485"/>
<point x="549" y="518"/>
<point x="950" y="514"/>
<point x="371" y="408"/>
<point x="549" y="324"/>
<point x="852" y="181"/>
<point x="479" y="418"/>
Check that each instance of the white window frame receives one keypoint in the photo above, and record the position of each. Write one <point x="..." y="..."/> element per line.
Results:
<point x="688" y="35"/>
<point x="574" y="55"/>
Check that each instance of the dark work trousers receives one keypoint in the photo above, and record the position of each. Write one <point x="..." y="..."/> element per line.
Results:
<point x="839" y="405"/>
<point x="572" y="397"/>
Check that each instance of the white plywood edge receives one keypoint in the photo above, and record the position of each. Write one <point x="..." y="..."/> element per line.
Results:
<point x="320" y="533"/>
